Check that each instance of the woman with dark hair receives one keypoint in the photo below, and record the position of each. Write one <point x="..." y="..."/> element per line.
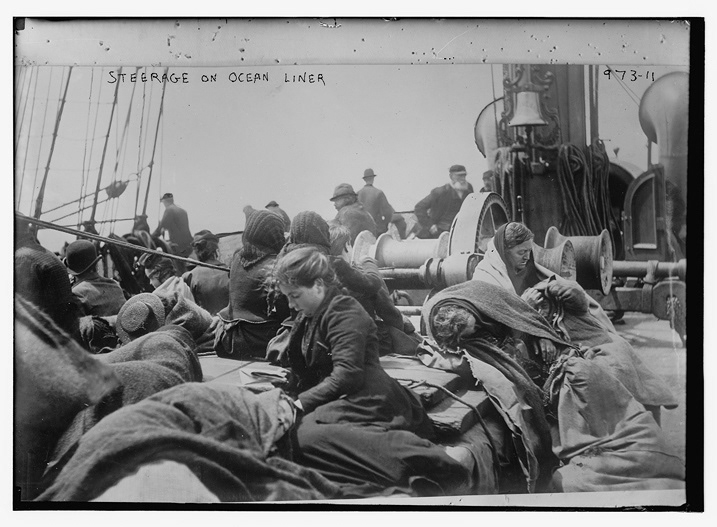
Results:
<point x="210" y="287"/>
<point x="254" y="313"/>
<point x="162" y="275"/>
<point x="360" y="428"/>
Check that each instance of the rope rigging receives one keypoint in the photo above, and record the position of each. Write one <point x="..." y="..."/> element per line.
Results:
<point x="154" y="149"/>
<point x="27" y="143"/>
<point x="58" y="119"/>
<point x="104" y="152"/>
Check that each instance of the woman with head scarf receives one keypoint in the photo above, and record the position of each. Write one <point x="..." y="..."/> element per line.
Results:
<point x="360" y="428"/>
<point x="509" y="263"/>
<point x="254" y="313"/>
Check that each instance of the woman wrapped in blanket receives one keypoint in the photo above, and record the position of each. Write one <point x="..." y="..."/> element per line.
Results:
<point x="359" y="427"/>
<point x="566" y="402"/>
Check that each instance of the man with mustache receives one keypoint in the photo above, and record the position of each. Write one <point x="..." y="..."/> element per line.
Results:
<point x="436" y="211"/>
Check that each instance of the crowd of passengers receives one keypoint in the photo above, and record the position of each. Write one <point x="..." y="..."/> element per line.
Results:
<point x="110" y="403"/>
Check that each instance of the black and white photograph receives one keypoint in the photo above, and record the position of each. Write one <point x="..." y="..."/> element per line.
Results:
<point x="357" y="262"/>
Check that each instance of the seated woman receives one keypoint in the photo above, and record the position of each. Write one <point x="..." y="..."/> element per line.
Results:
<point x="604" y="438"/>
<point x="509" y="263"/>
<point x="163" y="276"/>
<point x="254" y="313"/>
<point x="210" y="287"/>
<point x="564" y="304"/>
<point x="364" y="282"/>
<point x="360" y="428"/>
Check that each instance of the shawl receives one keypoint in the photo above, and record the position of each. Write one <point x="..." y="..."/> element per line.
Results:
<point x="493" y="269"/>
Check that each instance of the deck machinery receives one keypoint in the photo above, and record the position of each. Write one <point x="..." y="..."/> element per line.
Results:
<point x="620" y="233"/>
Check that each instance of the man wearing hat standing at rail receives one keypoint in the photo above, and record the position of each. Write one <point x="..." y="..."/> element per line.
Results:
<point x="273" y="206"/>
<point x="435" y="212"/>
<point x="98" y="296"/>
<point x="176" y="222"/>
<point x="350" y="211"/>
<point x="376" y="204"/>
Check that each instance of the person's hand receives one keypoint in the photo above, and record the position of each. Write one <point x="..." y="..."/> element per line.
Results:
<point x="547" y="350"/>
<point x="433" y="230"/>
<point x="215" y="323"/>
<point x="563" y="290"/>
<point x="533" y="297"/>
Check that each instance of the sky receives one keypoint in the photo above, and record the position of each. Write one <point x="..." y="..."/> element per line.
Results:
<point x="227" y="143"/>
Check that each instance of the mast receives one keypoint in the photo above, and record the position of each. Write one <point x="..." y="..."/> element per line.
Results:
<point x="154" y="148"/>
<point x="41" y="193"/>
<point x="104" y="152"/>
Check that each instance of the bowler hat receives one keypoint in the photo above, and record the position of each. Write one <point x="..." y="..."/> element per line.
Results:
<point x="457" y="170"/>
<point x="141" y="314"/>
<point x="167" y="195"/>
<point x="344" y="189"/>
<point x="368" y="173"/>
<point x="80" y="256"/>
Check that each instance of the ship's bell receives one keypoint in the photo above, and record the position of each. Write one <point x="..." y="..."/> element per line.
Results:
<point x="527" y="110"/>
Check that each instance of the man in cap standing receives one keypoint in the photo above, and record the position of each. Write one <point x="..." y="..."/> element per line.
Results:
<point x="376" y="204"/>
<point x="273" y="206"/>
<point x="176" y="222"/>
<point x="350" y="211"/>
<point x="435" y="212"/>
<point x="98" y="296"/>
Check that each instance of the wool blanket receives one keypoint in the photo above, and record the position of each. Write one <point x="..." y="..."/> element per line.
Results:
<point x="227" y="436"/>
<point x="145" y="366"/>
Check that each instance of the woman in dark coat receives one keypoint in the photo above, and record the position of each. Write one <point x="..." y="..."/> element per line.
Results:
<point x="360" y="427"/>
<point x="253" y="315"/>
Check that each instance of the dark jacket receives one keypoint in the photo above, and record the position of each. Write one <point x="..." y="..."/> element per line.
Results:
<point x="98" y="296"/>
<point x="176" y="222"/>
<point x="334" y="357"/>
<point x="210" y="287"/>
<point x="439" y="208"/>
<point x="377" y="205"/>
<point x="356" y="219"/>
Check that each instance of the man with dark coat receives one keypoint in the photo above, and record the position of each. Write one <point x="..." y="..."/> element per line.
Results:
<point x="435" y="212"/>
<point x="97" y="295"/>
<point x="176" y="222"/>
<point x="273" y="206"/>
<point x="350" y="211"/>
<point x="377" y="205"/>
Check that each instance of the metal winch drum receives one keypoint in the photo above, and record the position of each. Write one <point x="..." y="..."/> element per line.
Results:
<point x="593" y="257"/>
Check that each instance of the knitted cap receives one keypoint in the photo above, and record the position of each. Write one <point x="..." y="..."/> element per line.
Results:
<point x="80" y="255"/>
<point x="368" y="173"/>
<point x="265" y="230"/>
<point x="309" y="227"/>
<point x="141" y="314"/>
<point x="344" y="189"/>
<point x="457" y="170"/>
